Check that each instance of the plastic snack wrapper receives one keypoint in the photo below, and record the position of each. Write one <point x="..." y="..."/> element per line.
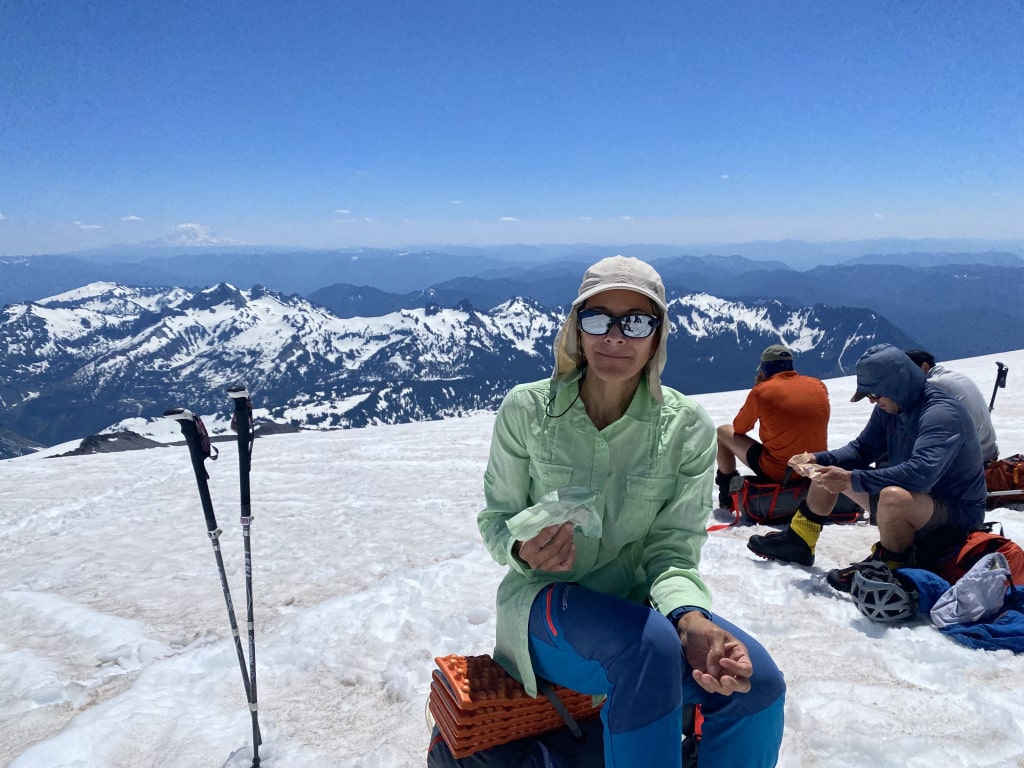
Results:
<point x="572" y="504"/>
<point x="806" y="469"/>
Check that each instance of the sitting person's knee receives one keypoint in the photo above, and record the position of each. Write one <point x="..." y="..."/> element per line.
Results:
<point x="894" y="497"/>
<point x="660" y="642"/>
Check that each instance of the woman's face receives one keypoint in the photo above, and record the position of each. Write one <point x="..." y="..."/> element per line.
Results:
<point x="614" y="357"/>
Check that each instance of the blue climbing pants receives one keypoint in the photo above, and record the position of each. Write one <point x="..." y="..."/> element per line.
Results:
<point x="599" y="644"/>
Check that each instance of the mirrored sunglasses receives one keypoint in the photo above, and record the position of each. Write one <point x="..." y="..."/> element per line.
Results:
<point x="635" y="325"/>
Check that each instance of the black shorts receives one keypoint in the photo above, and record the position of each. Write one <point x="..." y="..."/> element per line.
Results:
<point x="754" y="458"/>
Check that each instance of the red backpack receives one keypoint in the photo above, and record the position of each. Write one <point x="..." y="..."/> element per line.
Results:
<point x="1004" y="479"/>
<point x="979" y="544"/>
<point x="761" y="501"/>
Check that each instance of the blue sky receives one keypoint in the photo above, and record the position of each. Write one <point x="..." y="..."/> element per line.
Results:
<point x="330" y="124"/>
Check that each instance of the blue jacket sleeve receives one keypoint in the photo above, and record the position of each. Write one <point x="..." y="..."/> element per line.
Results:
<point x="869" y="446"/>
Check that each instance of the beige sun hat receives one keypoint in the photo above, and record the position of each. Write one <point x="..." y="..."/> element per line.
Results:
<point x="625" y="273"/>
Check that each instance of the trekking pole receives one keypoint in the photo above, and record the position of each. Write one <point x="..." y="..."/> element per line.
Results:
<point x="1001" y="371"/>
<point x="199" y="448"/>
<point x="242" y="424"/>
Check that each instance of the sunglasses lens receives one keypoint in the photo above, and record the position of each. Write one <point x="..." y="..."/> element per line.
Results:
<point x="595" y="323"/>
<point x="638" y="326"/>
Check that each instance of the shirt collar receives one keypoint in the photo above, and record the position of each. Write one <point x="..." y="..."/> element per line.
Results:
<point x="566" y="391"/>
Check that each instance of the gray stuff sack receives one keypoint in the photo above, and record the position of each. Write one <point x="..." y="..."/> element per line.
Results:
<point x="978" y="595"/>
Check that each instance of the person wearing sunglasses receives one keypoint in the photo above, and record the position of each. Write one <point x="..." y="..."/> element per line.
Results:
<point x="624" y="614"/>
<point x="793" y="411"/>
<point x="916" y="465"/>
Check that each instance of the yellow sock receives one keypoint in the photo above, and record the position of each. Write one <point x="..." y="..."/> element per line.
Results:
<point x="894" y="560"/>
<point x="806" y="529"/>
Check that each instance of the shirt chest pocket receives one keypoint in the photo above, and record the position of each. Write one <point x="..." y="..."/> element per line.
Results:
<point x="546" y="477"/>
<point x="643" y="498"/>
<point x="654" y="491"/>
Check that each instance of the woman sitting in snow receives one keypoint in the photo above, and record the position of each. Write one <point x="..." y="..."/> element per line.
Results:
<point x="577" y="610"/>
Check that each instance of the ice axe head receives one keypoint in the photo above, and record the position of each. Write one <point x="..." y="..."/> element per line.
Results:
<point x="1001" y="371"/>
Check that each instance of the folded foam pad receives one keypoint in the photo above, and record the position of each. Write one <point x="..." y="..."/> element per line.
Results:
<point x="477" y="704"/>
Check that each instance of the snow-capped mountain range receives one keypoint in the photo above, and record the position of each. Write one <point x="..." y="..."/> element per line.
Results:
<point x="78" y="362"/>
<point x="954" y="303"/>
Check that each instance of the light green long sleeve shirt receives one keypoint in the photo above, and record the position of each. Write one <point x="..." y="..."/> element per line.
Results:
<point x="652" y="472"/>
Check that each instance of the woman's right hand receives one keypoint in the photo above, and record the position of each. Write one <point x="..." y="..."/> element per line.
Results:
<point x="550" y="550"/>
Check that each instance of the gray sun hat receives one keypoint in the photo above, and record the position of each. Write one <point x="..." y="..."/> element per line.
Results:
<point x="617" y="273"/>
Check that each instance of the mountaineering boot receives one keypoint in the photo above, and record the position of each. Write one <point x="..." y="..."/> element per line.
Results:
<point x="725" y="487"/>
<point x="842" y="578"/>
<point x="793" y="545"/>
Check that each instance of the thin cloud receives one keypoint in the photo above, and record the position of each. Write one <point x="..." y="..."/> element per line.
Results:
<point x="342" y="217"/>
<point x="508" y="218"/>
<point x="627" y="218"/>
<point x="131" y="218"/>
<point x="455" y="202"/>
<point x="2" y="217"/>
<point x="80" y="225"/>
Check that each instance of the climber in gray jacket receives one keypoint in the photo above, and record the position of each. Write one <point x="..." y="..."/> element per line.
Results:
<point x="964" y="389"/>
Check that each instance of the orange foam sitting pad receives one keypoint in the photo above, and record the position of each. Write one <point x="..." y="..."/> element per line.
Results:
<point x="477" y="704"/>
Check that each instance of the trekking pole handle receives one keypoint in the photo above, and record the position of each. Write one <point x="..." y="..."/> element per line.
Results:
<point x="242" y="424"/>
<point x="237" y="391"/>
<point x="188" y="422"/>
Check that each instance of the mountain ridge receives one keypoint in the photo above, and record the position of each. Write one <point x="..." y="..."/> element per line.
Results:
<point x="75" y="363"/>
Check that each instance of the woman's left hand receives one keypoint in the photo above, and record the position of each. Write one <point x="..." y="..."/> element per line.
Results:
<point x="720" y="662"/>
